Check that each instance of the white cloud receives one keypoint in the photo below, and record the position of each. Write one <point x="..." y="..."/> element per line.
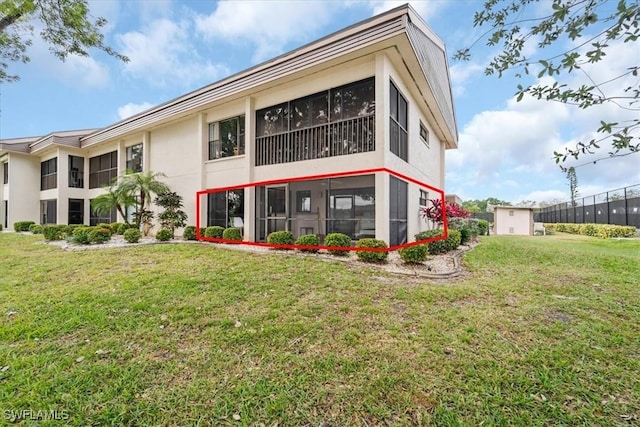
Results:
<point x="461" y="73"/>
<point x="163" y="53"/>
<point x="131" y="109"/>
<point x="268" y="25"/>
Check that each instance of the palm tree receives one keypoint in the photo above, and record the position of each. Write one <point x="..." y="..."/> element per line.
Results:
<point x="143" y="185"/>
<point x="115" y="196"/>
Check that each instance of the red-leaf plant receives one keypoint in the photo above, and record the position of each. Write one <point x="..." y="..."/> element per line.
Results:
<point x="434" y="213"/>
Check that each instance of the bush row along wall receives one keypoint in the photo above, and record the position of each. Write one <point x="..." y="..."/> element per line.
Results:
<point x="604" y="231"/>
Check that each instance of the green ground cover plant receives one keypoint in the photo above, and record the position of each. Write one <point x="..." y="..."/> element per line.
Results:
<point x="539" y="331"/>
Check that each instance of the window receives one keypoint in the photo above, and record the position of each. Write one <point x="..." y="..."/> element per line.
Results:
<point x="303" y="201"/>
<point x="134" y="158"/>
<point x="103" y="169"/>
<point x="48" y="211"/>
<point x="224" y="206"/>
<point x="49" y="175"/>
<point x="510" y="213"/>
<point x="424" y="197"/>
<point x="107" y="218"/>
<point x="226" y="138"/>
<point x="424" y="134"/>
<point x="398" y="124"/>
<point x="5" y="172"/>
<point x="76" y="172"/>
<point x="76" y="211"/>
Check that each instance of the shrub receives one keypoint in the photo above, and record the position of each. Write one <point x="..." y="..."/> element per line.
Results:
<point x="280" y="238"/>
<point x="595" y="230"/>
<point x="132" y="235"/>
<point x="371" y="256"/>
<point x="483" y="227"/>
<point x="453" y="241"/>
<point x="68" y="229"/>
<point x="440" y="246"/>
<point x="232" y="233"/>
<point x="337" y="240"/>
<point x="189" y="233"/>
<point x="202" y="231"/>
<point x="122" y="228"/>
<point x="308" y="240"/>
<point x="468" y="228"/>
<point x="22" y="225"/>
<point x="104" y="225"/>
<point x="214" y="231"/>
<point x="99" y="235"/>
<point x="164" y="234"/>
<point x="0" y="227"/>
<point x="414" y="254"/>
<point x="437" y="247"/>
<point x="54" y="232"/>
<point x="35" y="228"/>
<point x="80" y="235"/>
<point x="114" y="227"/>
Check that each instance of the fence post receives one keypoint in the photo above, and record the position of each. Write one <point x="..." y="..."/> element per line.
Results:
<point x="626" y="208"/>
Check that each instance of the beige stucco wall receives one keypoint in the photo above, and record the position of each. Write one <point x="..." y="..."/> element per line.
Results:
<point x="513" y="221"/>
<point x="174" y="150"/>
<point x="23" y="189"/>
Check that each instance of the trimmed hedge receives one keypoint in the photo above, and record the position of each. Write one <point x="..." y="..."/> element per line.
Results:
<point x="164" y="234"/>
<point x="189" y="233"/>
<point x="214" y="231"/>
<point x="232" y="233"/>
<point x="54" y="232"/>
<point x="99" y="235"/>
<point x="338" y="240"/>
<point x="132" y="235"/>
<point x="604" y="231"/>
<point x="280" y="238"/>
<point x="80" y="235"/>
<point x="441" y="246"/>
<point x="308" y="240"/>
<point x="22" y="225"/>
<point x="372" y="256"/>
<point x="414" y="254"/>
<point x="35" y="228"/>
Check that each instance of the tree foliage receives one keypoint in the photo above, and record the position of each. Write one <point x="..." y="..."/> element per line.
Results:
<point x="65" y="25"/>
<point x="477" y="206"/>
<point x="172" y="216"/>
<point x="590" y="27"/>
<point x="572" y="179"/>
<point x="114" y="197"/>
<point x="142" y="186"/>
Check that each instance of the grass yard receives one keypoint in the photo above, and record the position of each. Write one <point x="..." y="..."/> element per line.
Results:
<point x="541" y="331"/>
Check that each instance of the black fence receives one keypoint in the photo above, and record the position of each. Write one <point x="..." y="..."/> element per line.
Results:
<point x="619" y="207"/>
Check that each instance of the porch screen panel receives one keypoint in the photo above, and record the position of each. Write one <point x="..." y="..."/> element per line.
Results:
<point x="397" y="211"/>
<point x="217" y="212"/>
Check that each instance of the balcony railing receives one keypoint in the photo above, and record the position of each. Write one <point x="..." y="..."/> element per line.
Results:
<point x="349" y="136"/>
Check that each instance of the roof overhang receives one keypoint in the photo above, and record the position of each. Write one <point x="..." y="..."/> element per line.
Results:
<point x="400" y="27"/>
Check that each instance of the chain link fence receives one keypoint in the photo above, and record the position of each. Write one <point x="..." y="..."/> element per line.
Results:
<point x="619" y="207"/>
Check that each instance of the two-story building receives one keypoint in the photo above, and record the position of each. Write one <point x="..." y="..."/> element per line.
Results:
<point x="374" y="95"/>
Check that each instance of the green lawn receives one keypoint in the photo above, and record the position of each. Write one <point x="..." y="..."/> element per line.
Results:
<point x="540" y="331"/>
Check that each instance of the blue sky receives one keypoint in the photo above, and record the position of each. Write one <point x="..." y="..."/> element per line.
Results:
<point x="505" y="148"/>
